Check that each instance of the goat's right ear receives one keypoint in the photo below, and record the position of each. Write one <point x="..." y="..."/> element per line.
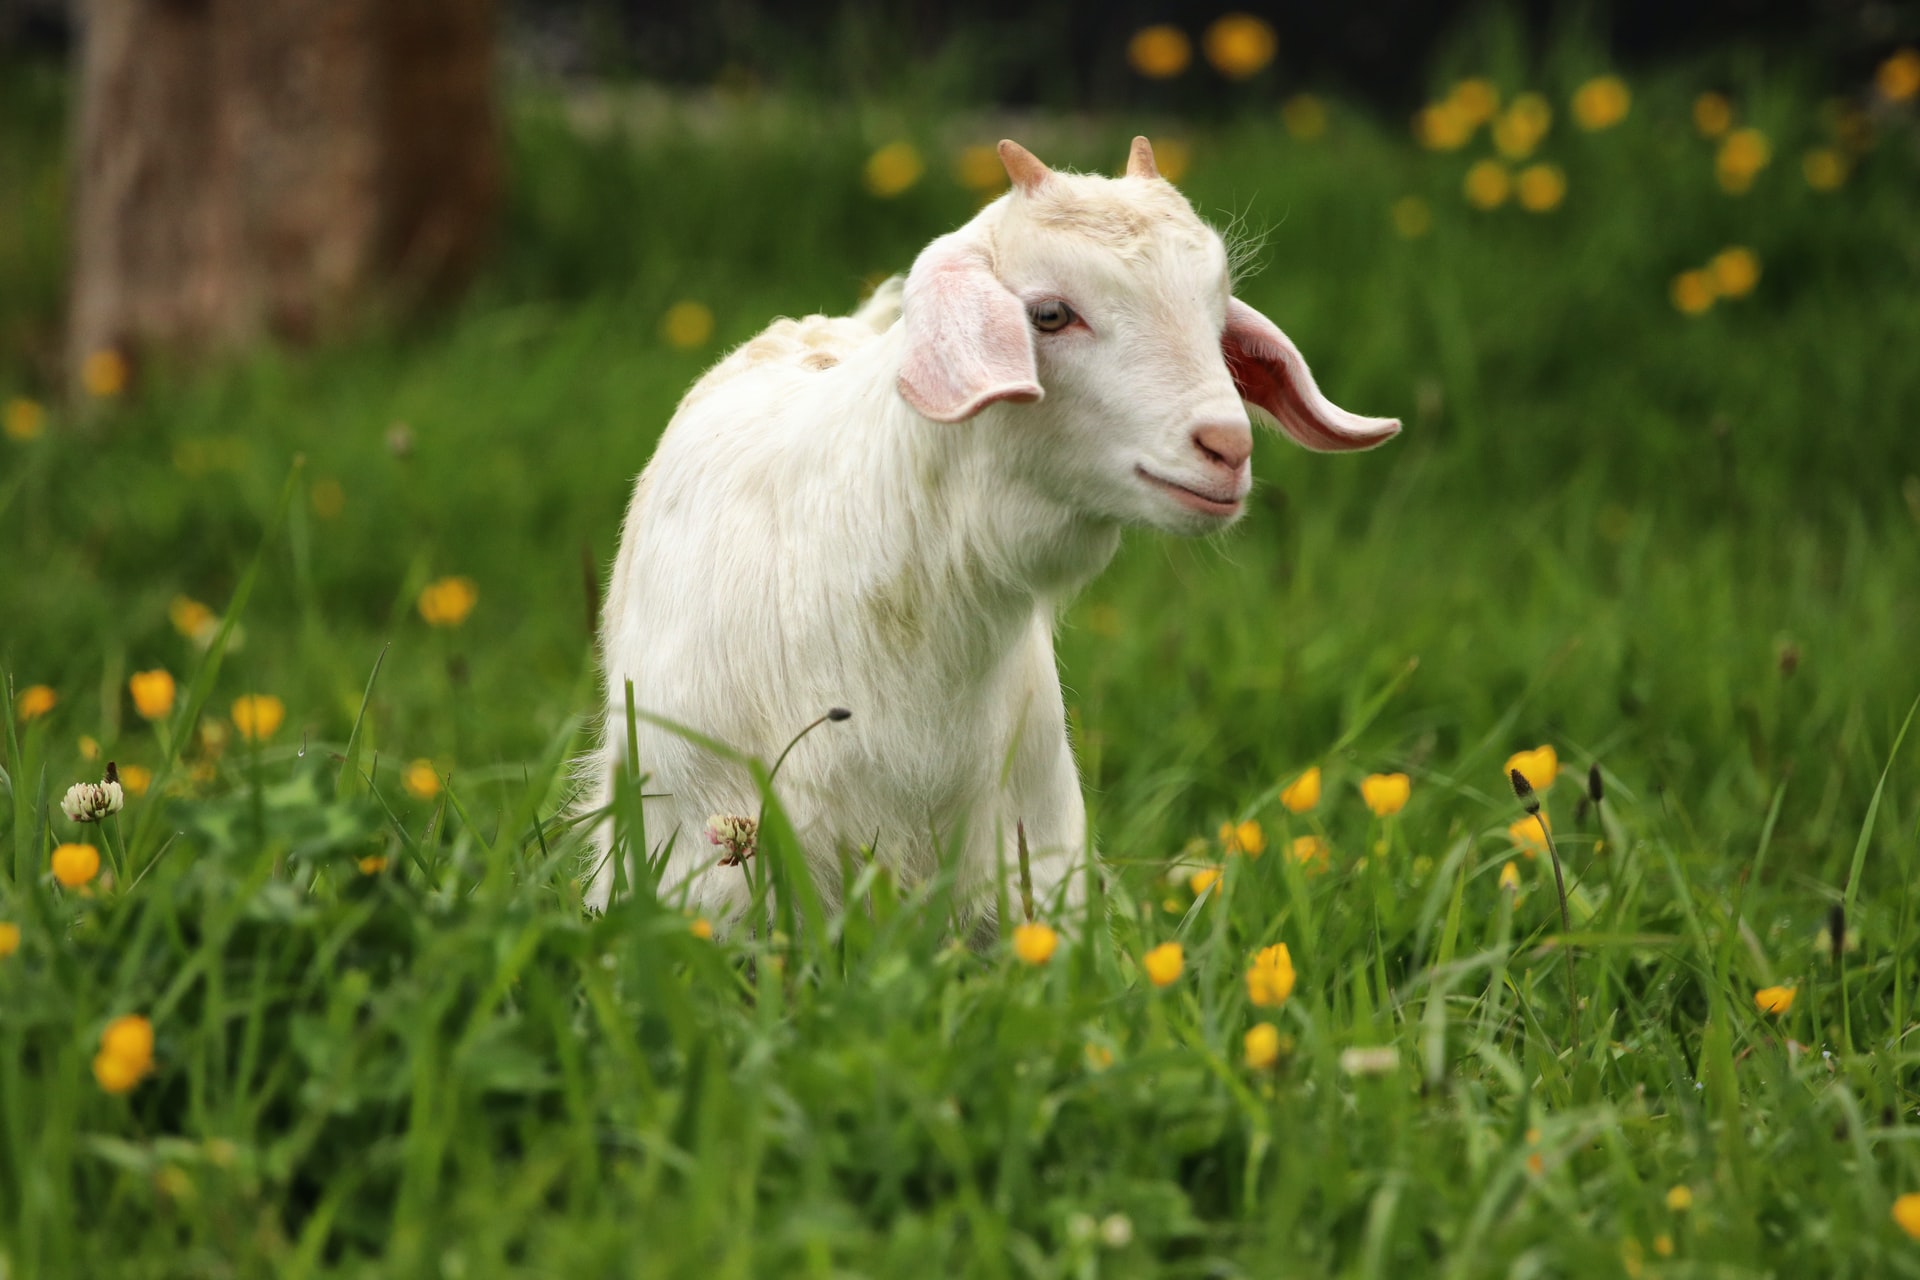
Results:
<point x="968" y="344"/>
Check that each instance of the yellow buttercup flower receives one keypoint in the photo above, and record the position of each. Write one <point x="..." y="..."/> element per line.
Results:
<point x="191" y="618"/>
<point x="1386" y="793"/>
<point x="34" y="701"/>
<point x="1271" y="977"/>
<point x="1520" y="128"/>
<point x="24" y="419"/>
<point x="1679" y="1198"/>
<point x="1239" y="44"/>
<point x="1541" y="187"/>
<point x="1164" y="963"/>
<point x="126" y="1053"/>
<point x="258" y="716"/>
<point x="978" y="168"/>
<point x="1539" y="766"/>
<point x="893" y="169"/>
<point x="1735" y="271"/>
<point x="1304" y="116"/>
<point x="1774" y="1000"/>
<point x="1906" y="1213"/>
<point x="1527" y="835"/>
<point x="1712" y="115"/>
<point x="1303" y="792"/>
<point x="1203" y="880"/>
<point x="1824" y="168"/>
<point x="1442" y="126"/>
<point x="1898" y="78"/>
<point x="1475" y="100"/>
<point x="1411" y="217"/>
<point x="152" y="693"/>
<point x="1159" y="52"/>
<point x="1034" y="942"/>
<point x="687" y="324"/>
<point x="1510" y="878"/>
<point x="1487" y="184"/>
<point x="1263" y="1046"/>
<point x="1740" y="158"/>
<point x="1245" y="837"/>
<point x="446" y="602"/>
<point x="1601" y="103"/>
<point x="136" y="778"/>
<point x="9" y="939"/>
<point x="421" y="780"/>
<point x="1693" y="291"/>
<point x="104" y="374"/>
<point x="701" y="928"/>
<point x="1312" y="853"/>
<point x="75" y="864"/>
<point x="372" y="865"/>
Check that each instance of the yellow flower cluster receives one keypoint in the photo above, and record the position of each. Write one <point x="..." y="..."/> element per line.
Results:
<point x="893" y="169"/>
<point x="1601" y="103"/>
<point x="126" y="1053"/>
<point x="421" y="780"/>
<point x="446" y="602"/>
<point x="1386" y="793"/>
<point x="1270" y="978"/>
<point x="153" y="693"/>
<point x="1774" y="1000"/>
<point x="1539" y="766"/>
<point x="1262" y="1046"/>
<point x="104" y="374"/>
<point x="1159" y="52"/>
<point x="1303" y="793"/>
<point x="1522" y="126"/>
<point x="1906" y="1213"/>
<point x="1898" y="78"/>
<point x="9" y="938"/>
<point x="1244" y="837"/>
<point x="1164" y="964"/>
<point x="1732" y="273"/>
<point x="1035" y="943"/>
<point x="34" y="701"/>
<point x="1742" y="155"/>
<point x="1238" y="45"/>
<point x="74" y="865"/>
<point x="258" y="716"/>
<point x="1528" y="837"/>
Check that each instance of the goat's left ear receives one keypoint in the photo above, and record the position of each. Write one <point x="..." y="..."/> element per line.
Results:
<point x="1270" y="374"/>
<point x="968" y="344"/>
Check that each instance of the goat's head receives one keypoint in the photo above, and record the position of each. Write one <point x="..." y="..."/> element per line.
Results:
<point x="1110" y="300"/>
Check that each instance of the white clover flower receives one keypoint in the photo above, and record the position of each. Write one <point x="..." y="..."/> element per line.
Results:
<point x="1116" y="1231"/>
<point x="1374" y="1060"/>
<point x="92" y="801"/>
<point x="738" y="836"/>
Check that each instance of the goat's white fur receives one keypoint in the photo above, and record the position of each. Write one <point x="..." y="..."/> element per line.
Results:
<point x="805" y="537"/>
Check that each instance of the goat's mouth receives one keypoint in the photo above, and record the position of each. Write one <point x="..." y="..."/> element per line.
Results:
<point x="1218" y="503"/>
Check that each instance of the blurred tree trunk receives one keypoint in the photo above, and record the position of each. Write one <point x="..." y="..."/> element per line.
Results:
<point x="250" y="168"/>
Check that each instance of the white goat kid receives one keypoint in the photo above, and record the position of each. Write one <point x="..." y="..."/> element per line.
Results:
<point x="884" y="511"/>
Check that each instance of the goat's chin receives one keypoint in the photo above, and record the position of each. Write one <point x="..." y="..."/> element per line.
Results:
<point x="1188" y="512"/>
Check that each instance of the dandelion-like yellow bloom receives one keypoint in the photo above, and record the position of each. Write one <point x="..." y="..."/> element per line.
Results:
<point x="191" y="618"/>
<point x="1304" y="116"/>
<point x="258" y="716"/>
<point x="978" y="168"/>
<point x="893" y="169"/>
<point x="701" y="928"/>
<point x="447" y="601"/>
<point x="152" y="693"/>
<point x="1487" y="184"/>
<point x="1693" y="291"/>
<point x="1774" y="1000"/>
<point x="1034" y="942"/>
<point x="9" y="939"/>
<point x="1824" y="168"/>
<point x="104" y="374"/>
<point x="1475" y="100"/>
<point x="1312" y="853"/>
<point x="126" y="1053"/>
<point x="328" y="498"/>
<point x="1906" y="1213"/>
<point x="1601" y="103"/>
<point x="1510" y="878"/>
<point x="1263" y="1046"/>
<point x="1679" y="1198"/>
<point x="1303" y="792"/>
<point x="1270" y="978"/>
<point x="24" y="419"/>
<point x="1541" y="187"/>
<point x="1164" y="963"/>
<point x="1712" y="115"/>
<point x="1898" y="78"/>
<point x="687" y="325"/>
<point x="136" y="778"/>
<point x="1735" y="271"/>
<point x="1386" y="793"/>
<point x="1411" y="217"/>
<point x="1442" y="126"/>
<point x="1522" y="126"/>
<point x="1740" y="159"/>
<point x="75" y="864"/>
<point x="1159" y="52"/>
<point x="1239" y="44"/>
<point x="1245" y="837"/>
<point x="372" y="865"/>
<point x="1527" y="836"/>
<point x="1202" y="880"/>
<point x="1539" y="766"/>
<point x="421" y="780"/>
<point x="34" y="701"/>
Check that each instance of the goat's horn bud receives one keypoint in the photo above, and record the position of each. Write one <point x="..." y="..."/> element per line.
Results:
<point x="1140" y="160"/>
<point x="1022" y="165"/>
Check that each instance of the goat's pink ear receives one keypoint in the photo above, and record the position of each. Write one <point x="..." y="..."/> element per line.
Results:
<point x="967" y="340"/>
<point x="1270" y="374"/>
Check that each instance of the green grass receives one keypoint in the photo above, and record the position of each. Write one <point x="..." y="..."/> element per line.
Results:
<point x="1605" y="527"/>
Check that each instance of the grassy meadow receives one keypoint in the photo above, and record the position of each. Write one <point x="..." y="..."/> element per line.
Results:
<point x="1667" y="524"/>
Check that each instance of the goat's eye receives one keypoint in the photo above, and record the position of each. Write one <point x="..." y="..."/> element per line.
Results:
<point x="1050" y="316"/>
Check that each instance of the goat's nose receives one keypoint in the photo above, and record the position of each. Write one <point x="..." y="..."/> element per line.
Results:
<point x="1225" y="444"/>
